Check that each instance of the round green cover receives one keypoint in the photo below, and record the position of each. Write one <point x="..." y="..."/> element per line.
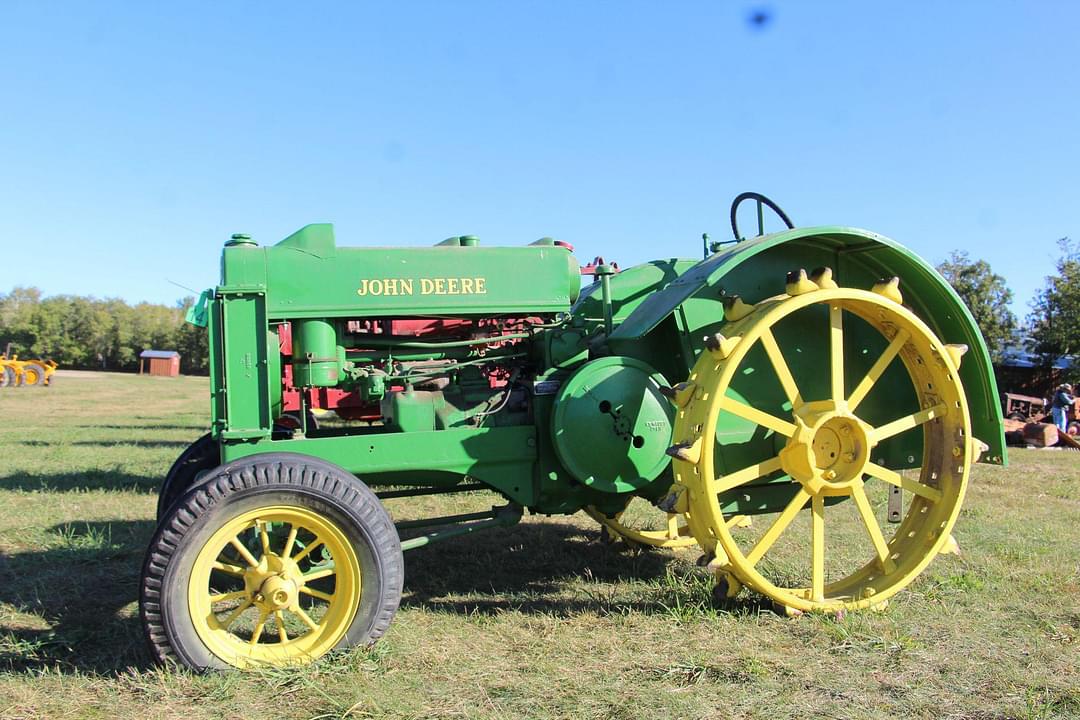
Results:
<point x="612" y="426"/>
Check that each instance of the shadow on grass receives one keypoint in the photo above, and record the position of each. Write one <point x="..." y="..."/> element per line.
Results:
<point x="82" y="480"/>
<point x="82" y="591"/>
<point x="531" y="568"/>
<point x="197" y="429"/>
<point x="105" y="443"/>
<point x="550" y="568"/>
<point x="179" y="444"/>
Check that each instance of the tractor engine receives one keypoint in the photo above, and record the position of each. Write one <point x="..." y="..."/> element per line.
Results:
<point x="411" y="374"/>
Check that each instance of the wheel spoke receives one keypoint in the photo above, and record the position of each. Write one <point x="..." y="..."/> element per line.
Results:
<point x="222" y="597"/>
<point x="316" y="593"/>
<point x="264" y="537"/>
<point x="307" y="551"/>
<point x="779" y="525"/>
<point x="235" y="614"/>
<point x="894" y="478"/>
<point x="244" y="552"/>
<point x="874" y="373"/>
<point x="305" y="617"/>
<point x="672" y="527"/>
<point x="229" y="569"/>
<point x="318" y="574"/>
<point x="282" y="635"/>
<point x="780" y="366"/>
<point x="817" y="548"/>
<point x="289" y="541"/>
<point x="735" y="407"/>
<point x="858" y="494"/>
<point x="257" y="633"/>
<point x="753" y="472"/>
<point x="836" y="351"/>
<point x="907" y="422"/>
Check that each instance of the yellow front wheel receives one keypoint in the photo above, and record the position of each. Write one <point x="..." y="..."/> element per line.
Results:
<point x="270" y="562"/>
<point x="811" y="406"/>
<point x="274" y="585"/>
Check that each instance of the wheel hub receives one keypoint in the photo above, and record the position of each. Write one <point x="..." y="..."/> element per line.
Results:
<point x="275" y="583"/>
<point x="277" y="593"/>
<point x="829" y="451"/>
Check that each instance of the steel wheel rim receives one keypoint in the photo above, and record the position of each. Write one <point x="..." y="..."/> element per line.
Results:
<point x="295" y="616"/>
<point x="947" y="451"/>
<point x="673" y="535"/>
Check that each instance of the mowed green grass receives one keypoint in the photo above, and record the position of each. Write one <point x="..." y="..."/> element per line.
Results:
<point x="540" y="620"/>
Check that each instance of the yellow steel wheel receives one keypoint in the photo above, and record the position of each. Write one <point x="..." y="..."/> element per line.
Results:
<point x="275" y="599"/>
<point x="646" y="525"/>
<point x="826" y="447"/>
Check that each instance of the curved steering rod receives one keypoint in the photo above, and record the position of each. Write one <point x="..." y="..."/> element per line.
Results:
<point x="761" y="201"/>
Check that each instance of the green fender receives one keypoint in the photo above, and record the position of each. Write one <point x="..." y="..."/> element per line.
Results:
<point x="755" y="269"/>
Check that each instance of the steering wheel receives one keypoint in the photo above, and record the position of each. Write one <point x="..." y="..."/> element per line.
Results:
<point x="761" y="200"/>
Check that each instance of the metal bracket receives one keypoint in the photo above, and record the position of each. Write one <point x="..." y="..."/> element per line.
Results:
<point x="896" y="504"/>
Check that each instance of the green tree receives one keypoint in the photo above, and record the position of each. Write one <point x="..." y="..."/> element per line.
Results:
<point x="17" y="325"/>
<point x="85" y="332"/>
<point x="987" y="297"/>
<point x="192" y="343"/>
<point x="1055" y="311"/>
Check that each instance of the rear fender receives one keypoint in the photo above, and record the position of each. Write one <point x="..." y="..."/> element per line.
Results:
<point x="755" y="270"/>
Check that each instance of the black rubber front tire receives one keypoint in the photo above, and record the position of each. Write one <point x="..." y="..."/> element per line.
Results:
<point x="273" y="479"/>
<point x="201" y="456"/>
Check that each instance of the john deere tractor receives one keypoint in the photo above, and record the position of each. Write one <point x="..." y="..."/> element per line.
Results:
<point x="803" y="405"/>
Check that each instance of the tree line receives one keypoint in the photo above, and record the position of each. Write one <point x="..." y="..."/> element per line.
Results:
<point x="109" y="334"/>
<point x="91" y="333"/>
<point x="1051" y="329"/>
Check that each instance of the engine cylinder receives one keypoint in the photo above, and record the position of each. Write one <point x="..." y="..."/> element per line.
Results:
<point x="315" y="356"/>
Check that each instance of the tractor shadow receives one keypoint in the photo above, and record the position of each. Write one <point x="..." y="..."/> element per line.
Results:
<point x="73" y="603"/>
<point x="551" y="568"/>
<point x="178" y="444"/>
<point x="72" y="608"/>
<point x="81" y="481"/>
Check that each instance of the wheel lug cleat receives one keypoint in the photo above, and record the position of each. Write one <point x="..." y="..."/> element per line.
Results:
<point x="796" y="283"/>
<point x="823" y="278"/>
<point x="735" y="309"/>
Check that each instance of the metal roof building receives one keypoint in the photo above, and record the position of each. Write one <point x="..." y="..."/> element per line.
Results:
<point x="160" y="362"/>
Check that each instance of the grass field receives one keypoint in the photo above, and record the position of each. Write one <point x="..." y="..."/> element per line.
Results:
<point x="540" y="620"/>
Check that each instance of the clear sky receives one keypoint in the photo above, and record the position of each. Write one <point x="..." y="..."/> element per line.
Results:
<point x="135" y="137"/>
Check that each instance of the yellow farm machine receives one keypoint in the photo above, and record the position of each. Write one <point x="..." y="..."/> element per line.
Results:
<point x="15" y="372"/>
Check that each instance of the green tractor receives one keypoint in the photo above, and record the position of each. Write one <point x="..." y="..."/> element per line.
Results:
<point x="811" y="432"/>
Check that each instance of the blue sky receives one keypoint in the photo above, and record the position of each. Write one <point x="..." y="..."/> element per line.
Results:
<point x="137" y="136"/>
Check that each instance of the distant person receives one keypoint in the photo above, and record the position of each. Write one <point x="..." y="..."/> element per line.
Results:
<point x="1062" y="404"/>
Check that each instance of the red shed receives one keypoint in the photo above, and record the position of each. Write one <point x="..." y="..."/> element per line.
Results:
<point x="161" y="362"/>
